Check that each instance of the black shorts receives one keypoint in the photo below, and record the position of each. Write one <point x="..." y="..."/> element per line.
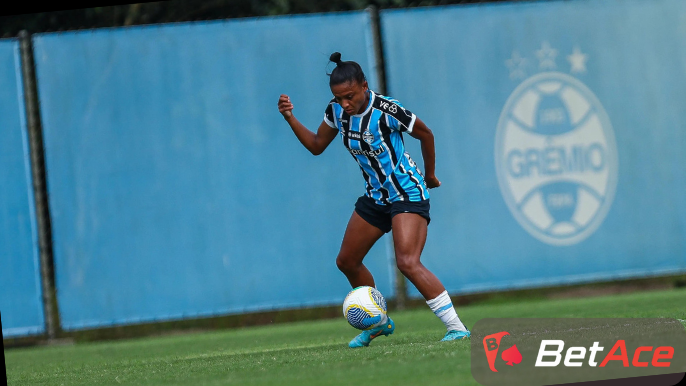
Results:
<point x="380" y="215"/>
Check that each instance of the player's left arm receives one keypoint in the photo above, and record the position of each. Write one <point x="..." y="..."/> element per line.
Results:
<point x="426" y="138"/>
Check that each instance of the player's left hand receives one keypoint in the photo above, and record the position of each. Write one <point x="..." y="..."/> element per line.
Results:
<point x="432" y="182"/>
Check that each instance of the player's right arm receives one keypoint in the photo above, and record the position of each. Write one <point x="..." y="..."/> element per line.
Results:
<point x="315" y="143"/>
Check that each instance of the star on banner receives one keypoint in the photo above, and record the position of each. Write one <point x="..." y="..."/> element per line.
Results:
<point x="546" y="57"/>
<point x="516" y="66"/>
<point x="577" y="60"/>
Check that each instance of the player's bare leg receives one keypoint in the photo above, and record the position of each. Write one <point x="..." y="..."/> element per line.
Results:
<point x="359" y="238"/>
<point x="409" y="237"/>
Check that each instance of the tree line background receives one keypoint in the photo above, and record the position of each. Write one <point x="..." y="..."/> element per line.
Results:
<point x="191" y="10"/>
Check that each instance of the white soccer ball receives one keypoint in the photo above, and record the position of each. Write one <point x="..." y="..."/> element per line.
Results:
<point x="365" y="308"/>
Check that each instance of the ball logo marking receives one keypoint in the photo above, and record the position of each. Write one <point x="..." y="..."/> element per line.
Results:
<point x="365" y="307"/>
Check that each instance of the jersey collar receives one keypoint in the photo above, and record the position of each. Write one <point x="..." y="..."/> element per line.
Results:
<point x="369" y="106"/>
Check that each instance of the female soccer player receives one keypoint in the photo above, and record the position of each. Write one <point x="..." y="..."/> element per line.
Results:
<point x="397" y="196"/>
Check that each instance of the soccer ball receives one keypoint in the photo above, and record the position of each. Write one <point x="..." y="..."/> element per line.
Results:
<point x="365" y="308"/>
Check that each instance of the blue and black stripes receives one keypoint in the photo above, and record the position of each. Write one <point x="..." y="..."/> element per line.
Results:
<point x="374" y="139"/>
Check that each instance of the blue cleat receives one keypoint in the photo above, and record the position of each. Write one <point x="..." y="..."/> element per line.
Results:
<point x="366" y="337"/>
<point x="456" y="335"/>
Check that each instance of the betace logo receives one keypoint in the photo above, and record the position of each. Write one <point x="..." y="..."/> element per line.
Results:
<point x="551" y="353"/>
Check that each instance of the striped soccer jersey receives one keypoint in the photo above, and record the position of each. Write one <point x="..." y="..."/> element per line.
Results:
<point x="374" y="138"/>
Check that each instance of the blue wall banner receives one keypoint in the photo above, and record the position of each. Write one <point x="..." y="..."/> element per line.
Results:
<point x="176" y="187"/>
<point x="20" y="285"/>
<point x="561" y="137"/>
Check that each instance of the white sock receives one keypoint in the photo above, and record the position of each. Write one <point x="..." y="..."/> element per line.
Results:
<point x="442" y="306"/>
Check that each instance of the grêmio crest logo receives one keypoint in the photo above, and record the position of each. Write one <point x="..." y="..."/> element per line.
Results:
<point x="555" y="152"/>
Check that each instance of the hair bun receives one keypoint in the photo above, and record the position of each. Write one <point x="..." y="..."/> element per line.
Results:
<point x="335" y="57"/>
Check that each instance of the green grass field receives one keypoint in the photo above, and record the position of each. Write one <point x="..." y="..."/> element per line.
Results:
<point x="308" y="353"/>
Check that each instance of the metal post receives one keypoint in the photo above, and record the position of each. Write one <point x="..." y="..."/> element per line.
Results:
<point x="400" y="281"/>
<point x="39" y="185"/>
<point x="3" y="368"/>
<point x="378" y="49"/>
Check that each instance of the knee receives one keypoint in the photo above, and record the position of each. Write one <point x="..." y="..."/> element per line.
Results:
<point x="345" y="264"/>
<point x="407" y="264"/>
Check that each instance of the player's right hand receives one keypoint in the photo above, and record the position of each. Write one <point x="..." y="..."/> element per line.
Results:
<point x="432" y="182"/>
<point x="285" y="106"/>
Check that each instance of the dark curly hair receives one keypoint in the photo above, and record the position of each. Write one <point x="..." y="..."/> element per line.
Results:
<point x="345" y="71"/>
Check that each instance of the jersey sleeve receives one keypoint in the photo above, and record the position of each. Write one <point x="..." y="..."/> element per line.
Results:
<point x="399" y="118"/>
<point x="329" y="116"/>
